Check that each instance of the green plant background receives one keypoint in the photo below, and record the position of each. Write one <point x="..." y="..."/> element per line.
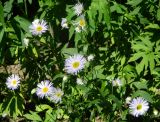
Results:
<point x="123" y="36"/>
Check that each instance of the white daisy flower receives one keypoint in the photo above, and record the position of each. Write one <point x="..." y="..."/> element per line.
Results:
<point x="56" y="95"/>
<point x="117" y="82"/>
<point x="44" y="89"/>
<point x="78" y="9"/>
<point x="13" y="82"/>
<point x="25" y="42"/>
<point x="138" y="106"/>
<point x="74" y="64"/>
<point x="64" y="23"/>
<point x="79" y="81"/>
<point x="38" y="27"/>
<point x="90" y="57"/>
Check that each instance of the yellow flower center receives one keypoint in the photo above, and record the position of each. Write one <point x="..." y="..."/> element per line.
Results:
<point x="45" y="90"/>
<point x="75" y="64"/>
<point x="39" y="28"/>
<point x="58" y="94"/>
<point x="139" y="106"/>
<point x="82" y="22"/>
<point x="14" y="82"/>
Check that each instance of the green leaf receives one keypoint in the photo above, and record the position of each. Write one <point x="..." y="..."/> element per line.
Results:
<point x="140" y="85"/>
<point x="33" y="116"/>
<point x="151" y="61"/>
<point x="144" y="94"/>
<point x="140" y="67"/>
<point x="1" y="22"/>
<point x="24" y="23"/>
<point x="42" y="107"/>
<point x="136" y="56"/>
<point x="158" y="14"/>
<point x="134" y="2"/>
<point x="116" y="100"/>
<point x="8" y="7"/>
<point x="71" y="32"/>
<point x="35" y="52"/>
<point x="153" y="26"/>
<point x="69" y="51"/>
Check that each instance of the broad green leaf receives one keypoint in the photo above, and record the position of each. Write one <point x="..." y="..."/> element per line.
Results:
<point x="24" y="23"/>
<point x="8" y="7"/>
<point x="144" y="94"/>
<point x="134" y="2"/>
<point x="69" y="51"/>
<point x="140" y="85"/>
<point x="33" y="116"/>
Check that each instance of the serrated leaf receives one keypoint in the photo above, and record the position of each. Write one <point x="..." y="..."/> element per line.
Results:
<point x="136" y="56"/>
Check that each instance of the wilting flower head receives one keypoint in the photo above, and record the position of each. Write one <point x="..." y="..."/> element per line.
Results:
<point x="90" y="57"/>
<point x="78" y="29"/>
<point x="74" y="64"/>
<point x="79" y="81"/>
<point x="25" y="42"/>
<point x="78" y="8"/>
<point x="116" y="82"/>
<point x="56" y="95"/>
<point x="65" y="77"/>
<point x="64" y="23"/>
<point x="44" y="89"/>
<point x="128" y="100"/>
<point x="13" y="82"/>
<point x="80" y="24"/>
<point x="38" y="27"/>
<point x="138" y="106"/>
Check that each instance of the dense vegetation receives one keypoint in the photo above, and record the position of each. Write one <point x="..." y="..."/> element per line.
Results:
<point x="96" y="57"/>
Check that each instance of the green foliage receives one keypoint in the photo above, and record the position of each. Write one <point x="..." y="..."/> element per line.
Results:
<point x="123" y="38"/>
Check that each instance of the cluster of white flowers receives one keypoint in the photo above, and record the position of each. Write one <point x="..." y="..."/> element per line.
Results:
<point x="45" y="89"/>
<point x="80" y="22"/>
